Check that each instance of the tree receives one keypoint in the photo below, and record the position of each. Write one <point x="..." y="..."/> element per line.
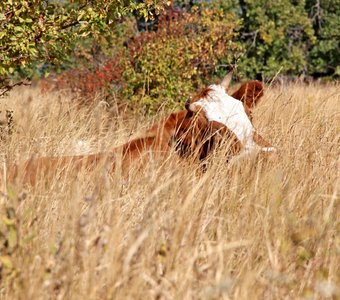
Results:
<point x="276" y="35"/>
<point x="324" y="54"/>
<point x="33" y="31"/>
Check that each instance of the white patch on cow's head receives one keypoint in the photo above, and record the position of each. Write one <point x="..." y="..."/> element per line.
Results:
<point x="219" y="106"/>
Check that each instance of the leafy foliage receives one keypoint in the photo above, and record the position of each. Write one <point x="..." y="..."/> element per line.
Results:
<point x="192" y="42"/>
<point x="154" y="69"/>
<point x="324" y="55"/>
<point x="276" y="35"/>
<point x="90" y="82"/>
<point x="185" y="52"/>
<point x="46" y="31"/>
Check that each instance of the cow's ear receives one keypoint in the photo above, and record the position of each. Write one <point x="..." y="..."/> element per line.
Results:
<point x="187" y="105"/>
<point x="227" y="79"/>
<point x="249" y="93"/>
<point x="191" y="107"/>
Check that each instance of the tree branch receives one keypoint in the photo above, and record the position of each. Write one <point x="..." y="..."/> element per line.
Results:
<point x="5" y="88"/>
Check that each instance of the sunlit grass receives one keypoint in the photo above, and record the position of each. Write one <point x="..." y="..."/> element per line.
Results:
<point x="263" y="228"/>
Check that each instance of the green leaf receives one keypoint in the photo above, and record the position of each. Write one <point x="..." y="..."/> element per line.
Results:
<point x="5" y="260"/>
<point x="12" y="238"/>
<point x="8" y="222"/>
<point x="11" y="193"/>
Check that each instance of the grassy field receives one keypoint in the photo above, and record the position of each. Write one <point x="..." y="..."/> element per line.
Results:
<point x="257" y="229"/>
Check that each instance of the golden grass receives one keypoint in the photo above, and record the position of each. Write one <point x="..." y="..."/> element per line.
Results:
<point x="258" y="229"/>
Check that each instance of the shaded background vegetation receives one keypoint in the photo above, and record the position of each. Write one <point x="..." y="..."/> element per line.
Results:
<point x="152" y="53"/>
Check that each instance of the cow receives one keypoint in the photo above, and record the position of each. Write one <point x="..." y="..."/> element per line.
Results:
<point x="235" y="111"/>
<point x="211" y="116"/>
<point x="189" y="135"/>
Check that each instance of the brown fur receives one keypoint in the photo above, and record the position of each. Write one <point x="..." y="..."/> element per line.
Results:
<point x="201" y="94"/>
<point x="48" y="167"/>
<point x="250" y="94"/>
<point x="191" y="134"/>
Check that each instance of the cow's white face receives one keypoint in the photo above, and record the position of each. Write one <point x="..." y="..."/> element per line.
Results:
<point x="219" y="106"/>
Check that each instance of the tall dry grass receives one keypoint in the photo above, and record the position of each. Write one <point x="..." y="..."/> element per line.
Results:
<point x="257" y="229"/>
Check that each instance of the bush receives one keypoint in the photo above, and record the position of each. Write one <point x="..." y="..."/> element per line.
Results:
<point x="184" y="53"/>
<point x="193" y="45"/>
<point x="162" y="68"/>
<point x="87" y="83"/>
<point x="33" y="32"/>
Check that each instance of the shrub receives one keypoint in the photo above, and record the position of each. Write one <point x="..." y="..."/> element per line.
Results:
<point x="184" y="53"/>
<point x="276" y="36"/>
<point x="162" y="68"/>
<point x="33" y="32"/>
<point x="193" y="45"/>
<point x="87" y="83"/>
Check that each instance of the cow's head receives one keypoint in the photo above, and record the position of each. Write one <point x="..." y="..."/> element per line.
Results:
<point x="194" y="107"/>
<point x="249" y="93"/>
<point x="235" y="112"/>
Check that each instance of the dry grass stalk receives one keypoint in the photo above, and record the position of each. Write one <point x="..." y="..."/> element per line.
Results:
<point x="256" y="229"/>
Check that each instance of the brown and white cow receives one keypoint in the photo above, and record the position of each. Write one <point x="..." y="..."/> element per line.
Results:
<point x="210" y="116"/>
<point x="191" y="135"/>
<point x="235" y="112"/>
